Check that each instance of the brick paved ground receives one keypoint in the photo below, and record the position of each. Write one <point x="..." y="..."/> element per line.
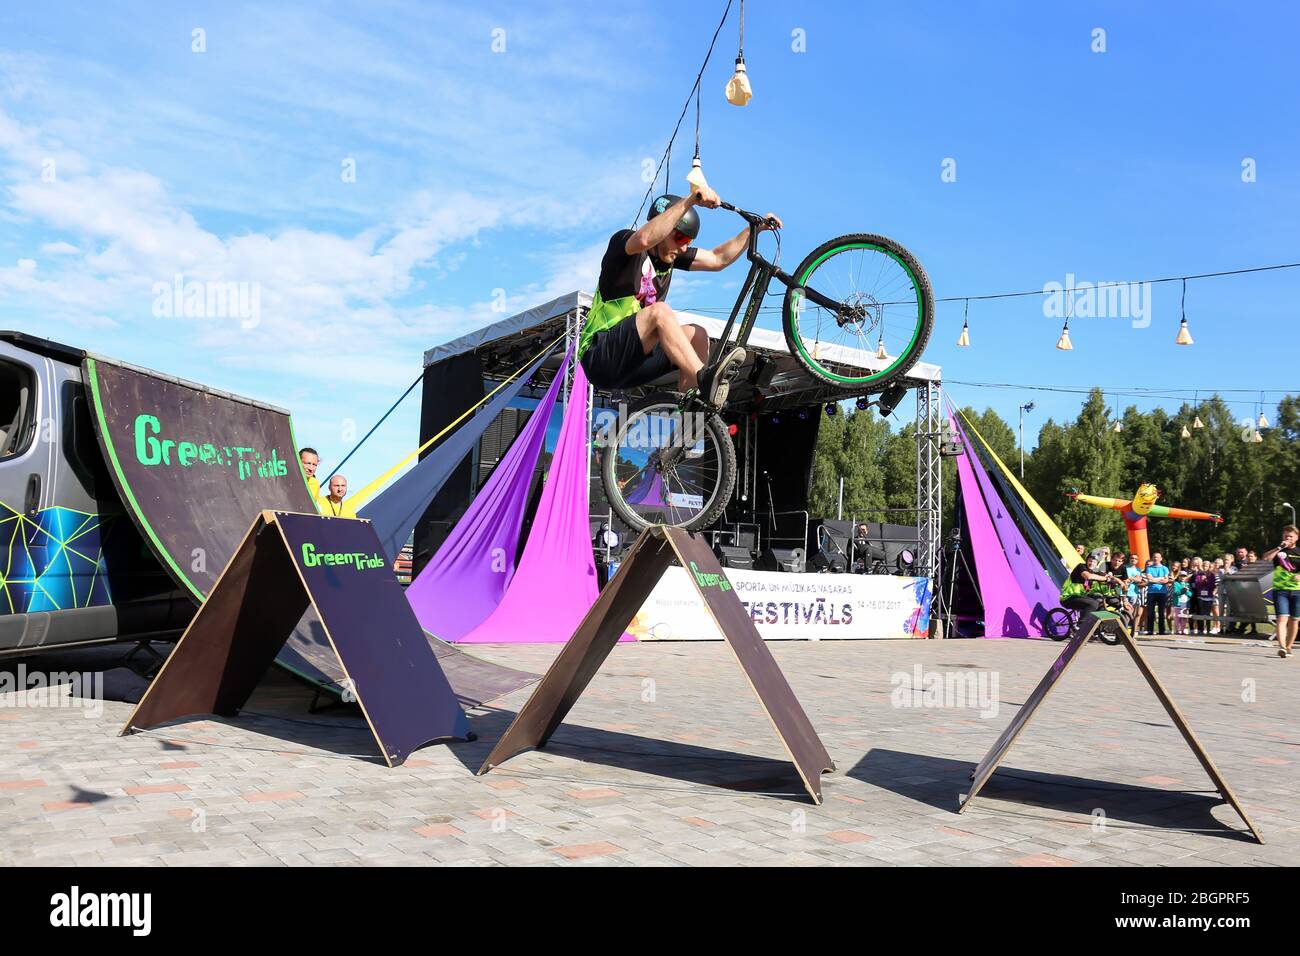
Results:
<point x="668" y="760"/>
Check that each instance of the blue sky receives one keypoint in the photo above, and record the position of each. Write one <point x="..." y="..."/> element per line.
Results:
<point x="479" y="171"/>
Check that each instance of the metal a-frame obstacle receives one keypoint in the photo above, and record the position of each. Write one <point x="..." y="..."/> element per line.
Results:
<point x="651" y="554"/>
<point x="1087" y="629"/>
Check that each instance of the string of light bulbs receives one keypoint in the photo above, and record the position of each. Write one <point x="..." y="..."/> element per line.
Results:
<point x="1184" y="336"/>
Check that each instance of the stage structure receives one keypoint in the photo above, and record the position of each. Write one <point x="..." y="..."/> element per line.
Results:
<point x="775" y="409"/>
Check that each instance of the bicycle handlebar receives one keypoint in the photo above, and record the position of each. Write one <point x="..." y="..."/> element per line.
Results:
<point x="752" y="218"/>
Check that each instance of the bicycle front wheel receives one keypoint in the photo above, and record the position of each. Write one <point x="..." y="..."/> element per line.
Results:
<point x="663" y="465"/>
<point x="883" y="303"/>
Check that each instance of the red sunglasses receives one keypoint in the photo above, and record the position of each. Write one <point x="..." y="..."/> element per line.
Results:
<point x="681" y="238"/>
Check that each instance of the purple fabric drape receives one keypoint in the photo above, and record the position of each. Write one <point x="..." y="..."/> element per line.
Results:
<point x="465" y="580"/>
<point x="649" y="490"/>
<point x="1006" y="612"/>
<point x="1039" y="592"/>
<point x="555" y="584"/>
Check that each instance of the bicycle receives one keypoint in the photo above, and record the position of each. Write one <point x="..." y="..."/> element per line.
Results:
<point x="1060" y="623"/>
<point x="671" y="459"/>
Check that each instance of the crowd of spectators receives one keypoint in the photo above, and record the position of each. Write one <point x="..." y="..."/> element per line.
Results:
<point x="1187" y="596"/>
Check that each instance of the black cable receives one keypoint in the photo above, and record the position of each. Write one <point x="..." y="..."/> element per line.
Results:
<point x="1098" y="285"/>
<point x="685" y="106"/>
<point x="1085" y="390"/>
<point x="417" y="381"/>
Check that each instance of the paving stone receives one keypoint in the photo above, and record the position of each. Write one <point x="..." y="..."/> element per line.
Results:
<point x="693" y="778"/>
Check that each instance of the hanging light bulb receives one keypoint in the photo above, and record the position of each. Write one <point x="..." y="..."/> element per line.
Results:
<point x="739" y="92"/>
<point x="1263" y="422"/>
<point x="1197" y="423"/>
<point x="880" y="348"/>
<point x="1119" y="426"/>
<point x="1186" y="433"/>
<point x="1257" y="437"/>
<point x="1184" y="336"/>
<point x="1063" y="343"/>
<point x="696" y="176"/>
<point x="963" y="340"/>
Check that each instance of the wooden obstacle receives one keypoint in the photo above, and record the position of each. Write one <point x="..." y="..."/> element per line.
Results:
<point x="1088" y="627"/>
<point x="287" y="563"/>
<point x="652" y="554"/>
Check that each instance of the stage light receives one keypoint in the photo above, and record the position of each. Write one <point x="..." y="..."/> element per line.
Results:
<point x="905" y="560"/>
<point x="832" y="409"/>
<point x="890" y="398"/>
<point x="732" y="429"/>
<point x="776" y="419"/>
<point x="803" y="414"/>
<point x="862" y="404"/>
<point x="607" y="537"/>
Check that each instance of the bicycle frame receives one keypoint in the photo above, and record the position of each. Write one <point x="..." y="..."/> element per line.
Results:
<point x="761" y="273"/>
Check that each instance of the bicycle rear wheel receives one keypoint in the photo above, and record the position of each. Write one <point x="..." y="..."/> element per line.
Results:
<point x="663" y="465"/>
<point x="884" y="301"/>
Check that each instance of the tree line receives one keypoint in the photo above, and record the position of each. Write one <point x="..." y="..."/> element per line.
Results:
<point x="1217" y="468"/>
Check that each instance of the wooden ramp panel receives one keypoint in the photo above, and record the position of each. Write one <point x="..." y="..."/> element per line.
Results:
<point x="258" y="600"/>
<point x="599" y="631"/>
<point x="1088" y="627"/>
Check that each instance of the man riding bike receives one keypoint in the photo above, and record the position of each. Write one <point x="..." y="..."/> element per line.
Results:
<point x="1086" y="589"/>
<point x="631" y="336"/>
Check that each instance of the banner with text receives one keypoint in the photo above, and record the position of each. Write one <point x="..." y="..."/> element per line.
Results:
<point x="801" y="607"/>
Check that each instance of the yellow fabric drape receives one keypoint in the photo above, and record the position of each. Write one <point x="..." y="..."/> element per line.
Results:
<point x="1068" y="554"/>
<point x="359" y="498"/>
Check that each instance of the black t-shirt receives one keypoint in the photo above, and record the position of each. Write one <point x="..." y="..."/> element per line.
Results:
<point x="620" y="274"/>
<point x="1077" y="575"/>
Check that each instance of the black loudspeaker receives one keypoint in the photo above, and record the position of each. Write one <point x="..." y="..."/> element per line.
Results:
<point x="828" y="561"/>
<point x="1245" y="589"/>
<point x="782" y="559"/>
<point x="733" y="557"/>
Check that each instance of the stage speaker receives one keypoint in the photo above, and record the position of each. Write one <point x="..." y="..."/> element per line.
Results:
<point x="782" y="559"/>
<point x="730" y="556"/>
<point x="1245" y="591"/>
<point x="828" y="561"/>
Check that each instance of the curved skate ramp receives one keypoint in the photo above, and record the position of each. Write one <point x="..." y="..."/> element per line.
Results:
<point x="194" y="466"/>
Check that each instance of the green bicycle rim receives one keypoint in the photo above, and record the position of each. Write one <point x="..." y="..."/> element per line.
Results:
<point x="920" y="318"/>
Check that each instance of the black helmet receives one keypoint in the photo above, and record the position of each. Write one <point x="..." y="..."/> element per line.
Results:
<point x="689" y="223"/>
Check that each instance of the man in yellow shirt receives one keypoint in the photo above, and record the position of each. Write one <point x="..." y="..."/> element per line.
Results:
<point x="310" y="461"/>
<point x="333" y="503"/>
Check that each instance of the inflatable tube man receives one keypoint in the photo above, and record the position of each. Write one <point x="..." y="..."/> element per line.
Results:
<point x="1136" y="511"/>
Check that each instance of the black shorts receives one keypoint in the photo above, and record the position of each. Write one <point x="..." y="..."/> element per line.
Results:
<point x="617" y="359"/>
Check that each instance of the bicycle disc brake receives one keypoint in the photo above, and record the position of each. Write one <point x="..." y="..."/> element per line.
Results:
<point x="861" y="309"/>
